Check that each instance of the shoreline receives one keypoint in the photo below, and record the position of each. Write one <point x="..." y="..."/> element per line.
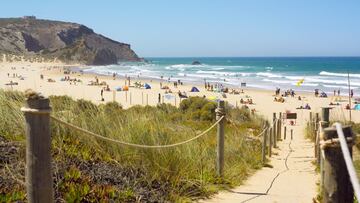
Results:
<point x="263" y="99"/>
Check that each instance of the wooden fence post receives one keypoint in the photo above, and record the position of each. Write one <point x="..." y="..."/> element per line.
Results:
<point x="325" y="122"/>
<point x="38" y="150"/>
<point x="279" y="127"/>
<point x="147" y="99"/>
<point x="316" y="124"/>
<point x="291" y="133"/>
<point x="126" y="96"/>
<point x="220" y="111"/>
<point x="337" y="186"/>
<point x="274" y="129"/>
<point x="284" y="132"/>
<point x="270" y="132"/>
<point x="114" y="95"/>
<point x="264" y="147"/>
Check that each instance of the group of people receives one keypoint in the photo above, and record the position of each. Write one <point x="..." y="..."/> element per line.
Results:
<point x="248" y="101"/>
<point x="66" y="78"/>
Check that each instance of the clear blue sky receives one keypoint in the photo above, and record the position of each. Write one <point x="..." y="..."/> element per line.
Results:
<point x="212" y="27"/>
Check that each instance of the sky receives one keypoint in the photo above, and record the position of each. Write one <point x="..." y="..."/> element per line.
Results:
<point x="169" y="28"/>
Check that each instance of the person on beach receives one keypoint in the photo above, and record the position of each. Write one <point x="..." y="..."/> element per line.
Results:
<point x="338" y="92"/>
<point x="159" y="98"/>
<point x="102" y="93"/>
<point x="351" y="93"/>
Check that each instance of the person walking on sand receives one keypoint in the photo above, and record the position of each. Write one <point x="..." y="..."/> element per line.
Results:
<point x="351" y="93"/>
<point x="338" y="92"/>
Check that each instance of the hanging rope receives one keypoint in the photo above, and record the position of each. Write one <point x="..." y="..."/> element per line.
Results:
<point x="69" y="125"/>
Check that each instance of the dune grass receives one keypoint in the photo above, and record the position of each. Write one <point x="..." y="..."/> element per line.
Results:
<point x="181" y="173"/>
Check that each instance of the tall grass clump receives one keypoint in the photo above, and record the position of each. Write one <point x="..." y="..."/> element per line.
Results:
<point x="181" y="173"/>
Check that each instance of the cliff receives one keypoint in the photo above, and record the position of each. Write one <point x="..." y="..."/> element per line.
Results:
<point x="67" y="42"/>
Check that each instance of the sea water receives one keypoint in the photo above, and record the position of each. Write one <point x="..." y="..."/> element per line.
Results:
<point x="323" y="73"/>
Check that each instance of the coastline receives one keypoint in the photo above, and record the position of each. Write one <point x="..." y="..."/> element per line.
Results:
<point x="263" y="99"/>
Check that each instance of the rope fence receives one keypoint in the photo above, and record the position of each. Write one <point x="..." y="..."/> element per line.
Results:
<point x="38" y="144"/>
<point x="72" y="126"/>
<point x="333" y="151"/>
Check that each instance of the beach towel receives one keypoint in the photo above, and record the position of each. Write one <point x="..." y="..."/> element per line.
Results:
<point x="212" y="98"/>
<point x="147" y="86"/>
<point x="194" y="89"/>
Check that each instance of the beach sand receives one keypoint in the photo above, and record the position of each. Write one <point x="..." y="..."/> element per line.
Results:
<point x="263" y="99"/>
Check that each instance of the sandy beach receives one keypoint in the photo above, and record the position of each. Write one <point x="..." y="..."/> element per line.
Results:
<point x="28" y="75"/>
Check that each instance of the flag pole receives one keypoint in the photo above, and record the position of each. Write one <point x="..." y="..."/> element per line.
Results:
<point x="349" y="95"/>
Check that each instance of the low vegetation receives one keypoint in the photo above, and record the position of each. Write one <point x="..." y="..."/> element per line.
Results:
<point x="86" y="169"/>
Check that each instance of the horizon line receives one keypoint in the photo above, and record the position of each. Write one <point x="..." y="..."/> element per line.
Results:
<point x="250" y="56"/>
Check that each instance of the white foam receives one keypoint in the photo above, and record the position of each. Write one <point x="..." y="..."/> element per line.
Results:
<point x="339" y="74"/>
<point x="278" y="81"/>
<point x="223" y="73"/>
<point x="269" y="75"/>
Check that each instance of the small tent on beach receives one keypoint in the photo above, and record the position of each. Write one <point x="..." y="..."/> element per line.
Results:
<point x="194" y="89"/>
<point x="147" y="86"/>
<point x="357" y="107"/>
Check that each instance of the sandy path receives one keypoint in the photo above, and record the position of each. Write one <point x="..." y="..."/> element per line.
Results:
<point x="292" y="178"/>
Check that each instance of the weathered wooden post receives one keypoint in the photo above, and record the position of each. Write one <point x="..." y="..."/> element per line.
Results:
<point x="311" y="121"/>
<point x="316" y="124"/>
<point x="337" y="186"/>
<point x="175" y="100"/>
<point x="291" y="133"/>
<point x="220" y="111"/>
<point x="325" y="122"/>
<point x="270" y="131"/>
<point x="125" y="96"/>
<point x="147" y="99"/>
<point x="274" y="130"/>
<point x="38" y="149"/>
<point x="284" y="132"/>
<point x="264" y="146"/>
<point x="279" y="127"/>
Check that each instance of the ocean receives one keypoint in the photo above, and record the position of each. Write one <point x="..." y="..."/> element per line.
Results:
<point x="324" y="73"/>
